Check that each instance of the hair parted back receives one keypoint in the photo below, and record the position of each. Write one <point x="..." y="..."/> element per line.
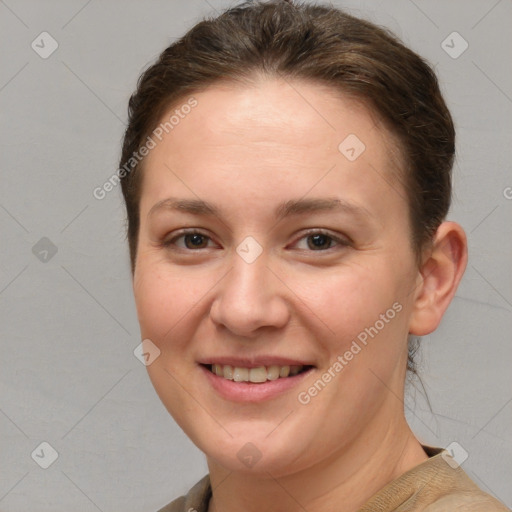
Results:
<point x="319" y="43"/>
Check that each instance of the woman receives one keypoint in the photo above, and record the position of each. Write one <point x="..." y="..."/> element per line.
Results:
<point x="287" y="174"/>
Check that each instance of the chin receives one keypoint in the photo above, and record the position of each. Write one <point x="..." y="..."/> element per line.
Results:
<point x="253" y="453"/>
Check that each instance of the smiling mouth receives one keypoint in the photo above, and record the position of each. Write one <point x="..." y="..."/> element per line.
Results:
<point x="256" y="375"/>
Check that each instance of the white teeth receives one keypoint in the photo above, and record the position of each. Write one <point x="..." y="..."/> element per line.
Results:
<point x="228" y="372"/>
<point x="273" y="372"/>
<point x="256" y="375"/>
<point x="240" y="374"/>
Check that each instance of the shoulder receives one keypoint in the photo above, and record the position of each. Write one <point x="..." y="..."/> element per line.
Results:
<point x="437" y="485"/>
<point x="177" y="505"/>
<point x="196" y="500"/>
<point x="467" y="502"/>
<point x="452" y="490"/>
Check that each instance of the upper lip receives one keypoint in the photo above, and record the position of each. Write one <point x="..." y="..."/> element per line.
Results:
<point x="253" y="362"/>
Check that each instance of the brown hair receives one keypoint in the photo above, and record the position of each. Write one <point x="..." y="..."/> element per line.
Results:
<point x="313" y="42"/>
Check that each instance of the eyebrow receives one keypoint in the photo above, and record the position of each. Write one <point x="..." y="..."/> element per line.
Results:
<point x="286" y="209"/>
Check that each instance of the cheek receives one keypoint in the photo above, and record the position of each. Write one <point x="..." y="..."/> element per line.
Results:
<point x="351" y="298"/>
<point x="363" y="307"/>
<point x="163" y="301"/>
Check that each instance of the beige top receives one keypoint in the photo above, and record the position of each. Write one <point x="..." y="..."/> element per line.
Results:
<point x="432" y="486"/>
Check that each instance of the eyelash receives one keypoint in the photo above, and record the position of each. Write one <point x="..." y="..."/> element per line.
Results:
<point x="339" y="241"/>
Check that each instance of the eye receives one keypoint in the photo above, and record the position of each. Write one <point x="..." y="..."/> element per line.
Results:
<point x="317" y="240"/>
<point x="320" y="241"/>
<point x="190" y="240"/>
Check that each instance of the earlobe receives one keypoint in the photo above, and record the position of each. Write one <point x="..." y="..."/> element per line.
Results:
<point x="439" y="278"/>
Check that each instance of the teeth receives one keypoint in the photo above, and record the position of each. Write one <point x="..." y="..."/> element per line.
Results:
<point x="239" y="374"/>
<point x="294" y="370"/>
<point x="256" y="375"/>
<point x="273" y="372"/>
<point x="228" y="372"/>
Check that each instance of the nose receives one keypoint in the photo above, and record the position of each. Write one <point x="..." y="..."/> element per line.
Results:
<point x="250" y="297"/>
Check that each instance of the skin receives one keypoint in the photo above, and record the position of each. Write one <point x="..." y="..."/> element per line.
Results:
<point x="246" y="149"/>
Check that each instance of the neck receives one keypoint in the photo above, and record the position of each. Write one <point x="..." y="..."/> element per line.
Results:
<point x="350" y="477"/>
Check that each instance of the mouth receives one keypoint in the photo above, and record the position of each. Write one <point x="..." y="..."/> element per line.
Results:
<point x="249" y="381"/>
<point x="256" y="375"/>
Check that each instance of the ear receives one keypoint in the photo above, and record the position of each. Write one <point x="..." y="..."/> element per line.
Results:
<point x="439" y="278"/>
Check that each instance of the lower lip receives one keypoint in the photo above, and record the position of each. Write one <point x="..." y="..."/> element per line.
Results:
<point x="249" y="391"/>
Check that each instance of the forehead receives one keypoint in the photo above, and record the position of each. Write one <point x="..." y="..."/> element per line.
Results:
<point x="283" y="111"/>
<point x="273" y="134"/>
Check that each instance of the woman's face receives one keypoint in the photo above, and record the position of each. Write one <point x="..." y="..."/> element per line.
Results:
<point x="296" y="258"/>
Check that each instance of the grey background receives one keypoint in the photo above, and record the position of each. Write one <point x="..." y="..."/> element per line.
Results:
<point x="68" y="374"/>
